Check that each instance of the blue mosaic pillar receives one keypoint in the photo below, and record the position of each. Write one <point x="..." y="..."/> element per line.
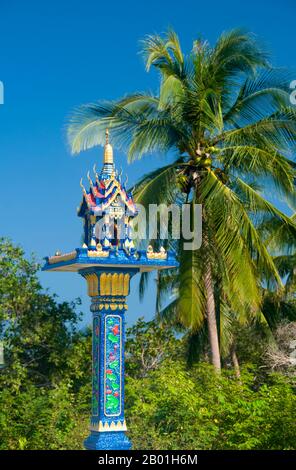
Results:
<point x="108" y="289"/>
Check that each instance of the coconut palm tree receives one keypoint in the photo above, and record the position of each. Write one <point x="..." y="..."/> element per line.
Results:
<point x="223" y="115"/>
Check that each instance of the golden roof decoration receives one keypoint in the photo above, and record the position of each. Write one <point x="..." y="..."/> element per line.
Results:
<point x="108" y="152"/>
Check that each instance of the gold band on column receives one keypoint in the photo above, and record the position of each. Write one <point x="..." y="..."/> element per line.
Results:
<point x="114" y="284"/>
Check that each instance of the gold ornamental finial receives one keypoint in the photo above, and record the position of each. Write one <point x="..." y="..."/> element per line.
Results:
<point x="108" y="154"/>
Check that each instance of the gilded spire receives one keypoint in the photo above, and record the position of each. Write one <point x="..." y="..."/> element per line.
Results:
<point x="108" y="153"/>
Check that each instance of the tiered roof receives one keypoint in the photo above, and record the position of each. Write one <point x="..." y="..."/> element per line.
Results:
<point x="105" y="188"/>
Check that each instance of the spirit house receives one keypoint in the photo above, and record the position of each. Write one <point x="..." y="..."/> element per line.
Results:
<point x="107" y="209"/>
<point x="108" y="260"/>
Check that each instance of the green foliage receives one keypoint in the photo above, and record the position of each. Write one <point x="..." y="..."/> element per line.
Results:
<point x="45" y="378"/>
<point x="39" y="334"/>
<point x="42" y="418"/>
<point x="182" y="408"/>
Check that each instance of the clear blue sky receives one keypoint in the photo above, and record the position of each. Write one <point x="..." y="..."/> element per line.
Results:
<point x="56" y="55"/>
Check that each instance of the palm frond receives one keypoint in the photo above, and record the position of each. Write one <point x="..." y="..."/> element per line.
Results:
<point x="260" y="96"/>
<point x="191" y="302"/>
<point x="241" y="235"/>
<point x="144" y="279"/>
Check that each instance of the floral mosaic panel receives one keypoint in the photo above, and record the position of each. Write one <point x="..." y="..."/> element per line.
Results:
<point x="112" y="378"/>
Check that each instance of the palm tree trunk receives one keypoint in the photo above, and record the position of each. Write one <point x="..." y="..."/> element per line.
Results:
<point x="209" y="291"/>
<point x="235" y="362"/>
<point x="211" y="318"/>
